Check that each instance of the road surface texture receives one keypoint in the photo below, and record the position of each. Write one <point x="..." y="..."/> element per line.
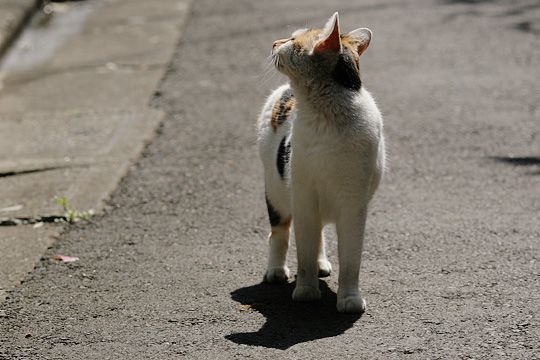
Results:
<point x="451" y="262"/>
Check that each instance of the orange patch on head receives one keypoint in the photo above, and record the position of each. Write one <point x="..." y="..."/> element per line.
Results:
<point x="307" y="39"/>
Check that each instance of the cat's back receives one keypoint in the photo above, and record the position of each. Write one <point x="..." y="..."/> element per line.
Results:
<point x="277" y="110"/>
<point x="275" y="121"/>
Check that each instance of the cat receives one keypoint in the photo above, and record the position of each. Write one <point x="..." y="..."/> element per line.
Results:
<point x="321" y="143"/>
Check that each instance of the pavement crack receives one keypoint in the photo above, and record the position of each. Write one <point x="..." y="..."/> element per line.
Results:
<point x="28" y="171"/>
<point x="17" y="221"/>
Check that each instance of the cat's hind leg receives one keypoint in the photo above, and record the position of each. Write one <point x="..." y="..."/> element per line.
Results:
<point x="278" y="241"/>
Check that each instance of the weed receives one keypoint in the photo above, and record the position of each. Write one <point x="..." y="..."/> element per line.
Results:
<point x="73" y="215"/>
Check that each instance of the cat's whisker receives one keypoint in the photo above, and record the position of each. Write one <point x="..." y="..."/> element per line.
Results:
<point x="267" y="76"/>
<point x="267" y="80"/>
<point x="269" y="71"/>
<point x="268" y="68"/>
<point x="275" y="59"/>
<point x="270" y="64"/>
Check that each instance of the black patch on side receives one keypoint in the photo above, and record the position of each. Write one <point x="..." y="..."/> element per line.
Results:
<point x="283" y="113"/>
<point x="346" y="72"/>
<point x="284" y="152"/>
<point x="273" y="215"/>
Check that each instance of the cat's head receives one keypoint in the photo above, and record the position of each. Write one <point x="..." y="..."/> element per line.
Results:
<point x="322" y="55"/>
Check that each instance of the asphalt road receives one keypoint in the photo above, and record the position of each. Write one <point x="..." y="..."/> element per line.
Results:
<point x="450" y="268"/>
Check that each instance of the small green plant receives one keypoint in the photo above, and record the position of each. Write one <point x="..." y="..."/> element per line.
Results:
<point x="73" y="215"/>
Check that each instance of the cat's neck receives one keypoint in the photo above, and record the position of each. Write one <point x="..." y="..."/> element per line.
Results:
<point x="328" y="102"/>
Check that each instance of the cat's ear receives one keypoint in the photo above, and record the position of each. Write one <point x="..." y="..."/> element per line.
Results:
<point x="330" y="39"/>
<point x="362" y="37"/>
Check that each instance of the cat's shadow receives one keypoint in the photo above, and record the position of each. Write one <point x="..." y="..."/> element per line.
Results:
<point x="289" y="323"/>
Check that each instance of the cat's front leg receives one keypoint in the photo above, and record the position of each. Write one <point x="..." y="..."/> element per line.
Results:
<point x="325" y="268"/>
<point x="350" y="229"/>
<point x="307" y="230"/>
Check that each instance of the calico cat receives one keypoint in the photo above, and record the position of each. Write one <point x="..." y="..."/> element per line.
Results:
<point x="321" y="143"/>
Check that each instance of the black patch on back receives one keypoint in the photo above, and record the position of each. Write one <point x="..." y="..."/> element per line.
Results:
<point x="346" y="72"/>
<point x="273" y="215"/>
<point x="284" y="152"/>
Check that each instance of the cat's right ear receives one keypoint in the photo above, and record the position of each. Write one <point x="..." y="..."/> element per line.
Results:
<point x="330" y="39"/>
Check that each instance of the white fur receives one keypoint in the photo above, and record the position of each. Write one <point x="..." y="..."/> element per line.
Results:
<point x="337" y="161"/>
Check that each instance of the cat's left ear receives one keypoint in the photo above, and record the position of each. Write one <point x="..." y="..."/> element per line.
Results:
<point x="330" y="39"/>
<point x="362" y="37"/>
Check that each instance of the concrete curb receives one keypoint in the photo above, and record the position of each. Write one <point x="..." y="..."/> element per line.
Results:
<point x="104" y="60"/>
<point x="14" y="15"/>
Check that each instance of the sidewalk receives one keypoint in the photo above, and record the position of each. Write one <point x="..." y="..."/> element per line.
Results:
<point x="14" y="15"/>
<point x="74" y="113"/>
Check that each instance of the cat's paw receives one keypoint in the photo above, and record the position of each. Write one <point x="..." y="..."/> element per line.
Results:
<point x="277" y="275"/>
<point x="351" y="304"/>
<point x="306" y="293"/>
<point x="324" y="268"/>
